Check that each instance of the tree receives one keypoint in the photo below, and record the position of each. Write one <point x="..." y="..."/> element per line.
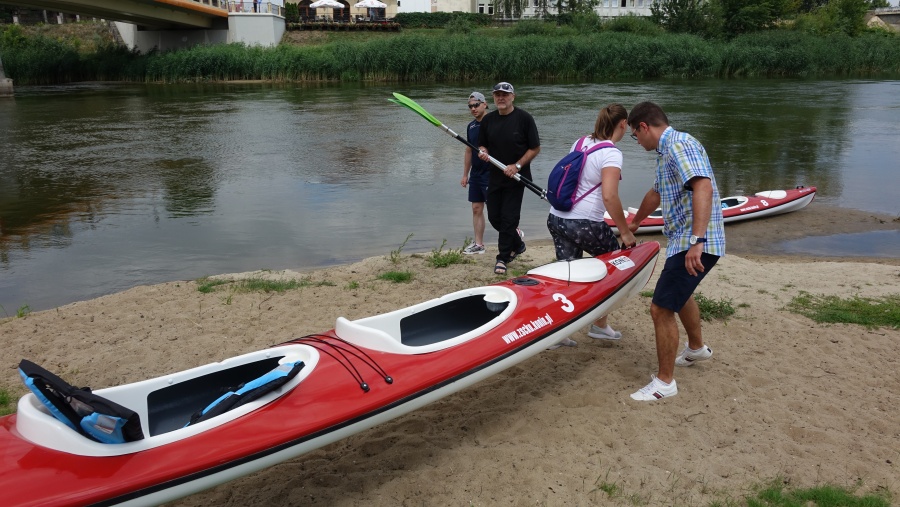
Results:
<point x="510" y="8"/>
<point x="810" y="5"/>
<point x="846" y="16"/>
<point x="744" y="16"/>
<point x="682" y="16"/>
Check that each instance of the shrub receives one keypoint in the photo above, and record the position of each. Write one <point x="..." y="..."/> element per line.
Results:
<point x="533" y="27"/>
<point x="459" y="25"/>
<point x="633" y="24"/>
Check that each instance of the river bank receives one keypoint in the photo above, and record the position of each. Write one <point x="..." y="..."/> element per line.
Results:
<point x="417" y="55"/>
<point x="780" y="398"/>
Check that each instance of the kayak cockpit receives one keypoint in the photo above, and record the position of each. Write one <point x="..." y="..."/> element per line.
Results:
<point x="734" y="201"/>
<point x="167" y="404"/>
<point x="433" y="325"/>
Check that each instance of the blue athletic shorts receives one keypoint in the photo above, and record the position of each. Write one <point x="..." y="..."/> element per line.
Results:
<point x="676" y="285"/>
<point x="478" y="189"/>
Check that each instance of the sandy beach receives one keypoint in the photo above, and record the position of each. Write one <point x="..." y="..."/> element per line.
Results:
<point x="782" y="397"/>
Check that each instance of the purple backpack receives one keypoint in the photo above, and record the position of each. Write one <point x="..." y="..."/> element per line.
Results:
<point x="563" y="181"/>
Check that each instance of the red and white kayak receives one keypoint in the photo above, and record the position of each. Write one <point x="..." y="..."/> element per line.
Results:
<point x="353" y="377"/>
<point x="736" y="208"/>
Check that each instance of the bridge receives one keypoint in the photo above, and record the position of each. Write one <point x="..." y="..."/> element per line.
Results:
<point x="148" y="13"/>
<point x="887" y="17"/>
<point x="174" y="24"/>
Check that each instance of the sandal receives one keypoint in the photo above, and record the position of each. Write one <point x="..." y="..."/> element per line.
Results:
<point x="500" y="268"/>
<point x="517" y="253"/>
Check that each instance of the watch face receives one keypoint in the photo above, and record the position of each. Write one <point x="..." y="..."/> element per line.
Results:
<point x="693" y="240"/>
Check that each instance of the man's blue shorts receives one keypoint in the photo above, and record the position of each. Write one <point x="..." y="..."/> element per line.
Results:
<point x="676" y="285"/>
<point x="478" y="189"/>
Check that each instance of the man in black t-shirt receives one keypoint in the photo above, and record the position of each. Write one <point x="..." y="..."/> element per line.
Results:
<point x="510" y="135"/>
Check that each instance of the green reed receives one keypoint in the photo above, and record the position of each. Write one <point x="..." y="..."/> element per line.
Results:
<point x="440" y="55"/>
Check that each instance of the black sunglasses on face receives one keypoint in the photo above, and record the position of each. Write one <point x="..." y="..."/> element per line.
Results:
<point x="473" y="106"/>
<point x="633" y="132"/>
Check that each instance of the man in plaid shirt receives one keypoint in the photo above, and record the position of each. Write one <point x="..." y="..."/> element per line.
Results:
<point x="686" y="188"/>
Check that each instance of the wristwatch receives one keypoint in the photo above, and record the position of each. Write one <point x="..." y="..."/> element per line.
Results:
<point x="518" y="166"/>
<point x="694" y="240"/>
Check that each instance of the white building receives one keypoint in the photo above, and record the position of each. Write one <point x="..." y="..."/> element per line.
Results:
<point x="606" y="8"/>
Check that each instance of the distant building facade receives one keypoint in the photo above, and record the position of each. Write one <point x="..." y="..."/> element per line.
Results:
<point x="605" y="9"/>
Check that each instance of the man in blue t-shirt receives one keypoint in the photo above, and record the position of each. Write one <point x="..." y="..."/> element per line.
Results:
<point x="476" y="173"/>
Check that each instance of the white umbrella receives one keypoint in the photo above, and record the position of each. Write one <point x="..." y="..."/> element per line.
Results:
<point x="327" y="3"/>
<point x="371" y="4"/>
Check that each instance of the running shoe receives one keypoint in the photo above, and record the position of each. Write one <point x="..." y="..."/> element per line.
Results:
<point x="655" y="390"/>
<point x="689" y="356"/>
<point x="566" y="342"/>
<point x="521" y="234"/>
<point x="599" y="333"/>
<point x="474" y="249"/>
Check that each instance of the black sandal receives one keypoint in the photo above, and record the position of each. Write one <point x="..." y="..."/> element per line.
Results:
<point x="513" y="255"/>
<point x="500" y="268"/>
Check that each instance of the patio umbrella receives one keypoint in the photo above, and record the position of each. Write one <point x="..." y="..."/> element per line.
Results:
<point x="326" y="3"/>
<point x="371" y="4"/>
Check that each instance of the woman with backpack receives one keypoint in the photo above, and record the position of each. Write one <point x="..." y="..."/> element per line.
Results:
<point x="581" y="228"/>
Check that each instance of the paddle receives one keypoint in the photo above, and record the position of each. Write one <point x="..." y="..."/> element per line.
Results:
<point x="411" y="104"/>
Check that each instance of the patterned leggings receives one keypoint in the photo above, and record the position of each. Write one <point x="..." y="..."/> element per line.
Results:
<point x="573" y="237"/>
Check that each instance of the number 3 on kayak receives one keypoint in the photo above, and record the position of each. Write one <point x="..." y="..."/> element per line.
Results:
<point x="567" y="305"/>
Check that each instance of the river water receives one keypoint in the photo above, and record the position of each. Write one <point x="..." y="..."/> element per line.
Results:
<point x="105" y="186"/>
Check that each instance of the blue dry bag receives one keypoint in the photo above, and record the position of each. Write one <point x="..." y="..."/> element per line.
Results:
<point x="91" y="415"/>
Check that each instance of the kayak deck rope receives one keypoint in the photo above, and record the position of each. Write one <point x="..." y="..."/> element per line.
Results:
<point x="324" y="343"/>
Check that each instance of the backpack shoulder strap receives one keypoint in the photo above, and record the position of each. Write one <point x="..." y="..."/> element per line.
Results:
<point x="580" y="143"/>
<point x="592" y="149"/>
<point x="599" y="146"/>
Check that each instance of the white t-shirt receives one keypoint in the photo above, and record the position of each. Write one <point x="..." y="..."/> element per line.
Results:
<point x="591" y="207"/>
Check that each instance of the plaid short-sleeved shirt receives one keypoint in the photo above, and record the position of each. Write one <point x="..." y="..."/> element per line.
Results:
<point x="681" y="157"/>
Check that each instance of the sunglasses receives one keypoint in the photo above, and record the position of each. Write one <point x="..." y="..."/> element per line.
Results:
<point x="475" y="105"/>
<point x="633" y="132"/>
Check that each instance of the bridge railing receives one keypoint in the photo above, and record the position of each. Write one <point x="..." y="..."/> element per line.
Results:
<point x="221" y="4"/>
<point x="251" y="6"/>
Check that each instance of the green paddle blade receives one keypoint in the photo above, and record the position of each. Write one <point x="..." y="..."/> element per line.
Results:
<point x="410" y="103"/>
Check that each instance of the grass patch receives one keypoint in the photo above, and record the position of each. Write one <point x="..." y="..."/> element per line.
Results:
<point x="776" y="495"/>
<point x="646" y="293"/>
<point x="711" y="309"/>
<point x="22" y="311"/>
<point x="207" y="285"/>
<point x="441" y="259"/>
<point x="352" y="285"/>
<point x="7" y="404"/>
<point x="869" y="312"/>
<point x="395" y="254"/>
<point x="397" y="276"/>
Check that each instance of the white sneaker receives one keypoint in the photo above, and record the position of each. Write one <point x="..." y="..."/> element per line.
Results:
<point x="473" y="249"/>
<point x="521" y="234"/>
<point x="688" y="356"/>
<point x="604" y="334"/>
<point x="566" y="342"/>
<point x="655" y="390"/>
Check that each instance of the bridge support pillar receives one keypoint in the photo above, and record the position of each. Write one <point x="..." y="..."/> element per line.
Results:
<point x="6" y="85"/>
<point x="252" y="29"/>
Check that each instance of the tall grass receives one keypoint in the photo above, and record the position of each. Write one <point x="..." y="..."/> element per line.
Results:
<point x="548" y="54"/>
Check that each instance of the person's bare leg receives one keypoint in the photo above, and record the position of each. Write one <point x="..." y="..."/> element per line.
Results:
<point x="666" y="341"/>
<point x="690" y="319"/>
<point x="478" y="221"/>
